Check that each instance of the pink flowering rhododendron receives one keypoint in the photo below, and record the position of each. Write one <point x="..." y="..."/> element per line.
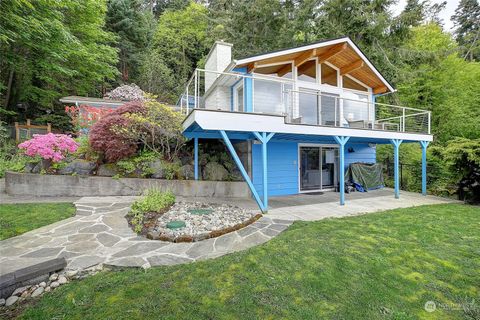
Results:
<point x="49" y="146"/>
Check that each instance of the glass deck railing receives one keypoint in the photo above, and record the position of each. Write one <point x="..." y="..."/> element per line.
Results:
<point x="256" y="93"/>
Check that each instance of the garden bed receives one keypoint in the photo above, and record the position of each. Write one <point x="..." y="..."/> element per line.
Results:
<point x="194" y="221"/>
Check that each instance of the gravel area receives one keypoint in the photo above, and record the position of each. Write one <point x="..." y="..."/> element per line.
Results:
<point x="196" y="221"/>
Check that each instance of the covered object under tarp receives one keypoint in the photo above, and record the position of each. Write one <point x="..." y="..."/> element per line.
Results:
<point x="365" y="176"/>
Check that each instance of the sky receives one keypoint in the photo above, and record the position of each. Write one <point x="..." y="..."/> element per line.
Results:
<point x="444" y="15"/>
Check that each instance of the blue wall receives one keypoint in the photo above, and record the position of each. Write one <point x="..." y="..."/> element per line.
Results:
<point x="283" y="165"/>
<point x="362" y="153"/>
<point x="282" y="168"/>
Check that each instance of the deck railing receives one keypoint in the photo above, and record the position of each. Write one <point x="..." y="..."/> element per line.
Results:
<point x="257" y="93"/>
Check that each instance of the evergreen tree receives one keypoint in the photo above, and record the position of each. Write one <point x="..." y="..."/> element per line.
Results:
<point x="133" y="24"/>
<point x="158" y="7"/>
<point x="179" y="44"/>
<point x="467" y="31"/>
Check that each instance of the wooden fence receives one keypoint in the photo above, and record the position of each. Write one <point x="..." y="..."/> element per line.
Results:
<point x="28" y="127"/>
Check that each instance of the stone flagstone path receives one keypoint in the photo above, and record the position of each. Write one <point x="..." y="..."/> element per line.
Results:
<point x="99" y="233"/>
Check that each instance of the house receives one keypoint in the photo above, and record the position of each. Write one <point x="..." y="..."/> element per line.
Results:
<point x="295" y="119"/>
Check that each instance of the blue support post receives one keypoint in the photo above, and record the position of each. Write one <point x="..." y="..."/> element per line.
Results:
<point x="424" y="145"/>
<point x="396" y="146"/>
<point x="265" y="167"/>
<point x="264" y="138"/>
<point x="195" y="158"/>
<point x="244" y="173"/>
<point x="248" y="93"/>
<point x="342" y="141"/>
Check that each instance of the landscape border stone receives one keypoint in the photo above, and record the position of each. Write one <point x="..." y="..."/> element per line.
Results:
<point x="21" y="277"/>
<point x="212" y="234"/>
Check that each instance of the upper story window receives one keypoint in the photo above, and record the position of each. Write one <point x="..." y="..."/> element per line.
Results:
<point x="348" y="83"/>
<point x="329" y="75"/>
<point x="279" y="70"/>
<point x="238" y="97"/>
<point x="308" y="71"/>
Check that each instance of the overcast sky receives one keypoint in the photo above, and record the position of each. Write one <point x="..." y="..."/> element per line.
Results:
<point x="444" y="15"/>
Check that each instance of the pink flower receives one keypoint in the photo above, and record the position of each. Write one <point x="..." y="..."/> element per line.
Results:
<point x="49" y="146"/>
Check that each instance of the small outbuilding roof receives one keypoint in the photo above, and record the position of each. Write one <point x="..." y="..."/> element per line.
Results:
<point x="93" y="102"/>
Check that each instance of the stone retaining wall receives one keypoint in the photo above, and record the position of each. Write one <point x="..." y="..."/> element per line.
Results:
<point x="85" y="186"/>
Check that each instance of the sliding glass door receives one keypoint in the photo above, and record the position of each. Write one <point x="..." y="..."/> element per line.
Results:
<point x="318" y="168"/>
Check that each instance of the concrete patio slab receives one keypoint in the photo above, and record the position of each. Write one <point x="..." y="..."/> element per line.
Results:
<point x="312" y="208"/>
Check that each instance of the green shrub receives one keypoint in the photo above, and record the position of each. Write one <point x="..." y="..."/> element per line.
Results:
<point x="154" y="200"/>
<point x="461" y="163"/>
<point x="3" y="134"/>
<point x="141" y="162"/>
<point x="172" y="170"/>
<point x="85" y="150"/>
<point x="11" y="159"/>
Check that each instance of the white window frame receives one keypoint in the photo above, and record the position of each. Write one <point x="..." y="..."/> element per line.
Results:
<point x="299" y="159"/>
<point x="236" y="89"/>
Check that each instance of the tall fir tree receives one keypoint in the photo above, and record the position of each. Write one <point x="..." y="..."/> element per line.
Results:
<point x="134" y="25"/>
<point x="467" y="28"/>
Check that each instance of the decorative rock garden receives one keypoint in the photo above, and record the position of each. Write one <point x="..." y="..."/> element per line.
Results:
<point x="195" y="221"/>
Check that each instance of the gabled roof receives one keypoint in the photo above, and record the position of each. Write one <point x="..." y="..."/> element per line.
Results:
<point x="343" y="53"/>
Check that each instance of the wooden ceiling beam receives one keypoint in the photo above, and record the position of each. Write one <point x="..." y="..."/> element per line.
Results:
<point x="284" y="70"/>
<point x="351" y="67"/>
<point x="330" y="53"/>
<point x="304" y="57"/>
<point x="380" y="89"/>
<point x="251" y="67"/>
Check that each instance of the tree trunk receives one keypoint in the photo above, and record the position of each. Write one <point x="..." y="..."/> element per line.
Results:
<point x="9" y="87"/>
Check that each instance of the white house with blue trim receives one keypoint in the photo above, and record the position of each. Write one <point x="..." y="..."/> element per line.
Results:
<point x="303" y="114"/>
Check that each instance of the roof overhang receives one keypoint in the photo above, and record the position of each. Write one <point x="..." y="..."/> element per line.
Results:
<point x="93" y="102"/>
<point x="352" y="57"/>
<point x="207" y="124"/>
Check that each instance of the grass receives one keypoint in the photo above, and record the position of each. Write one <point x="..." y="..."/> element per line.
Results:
<point x="16" y="219"/>
<point x="378" y="266"/>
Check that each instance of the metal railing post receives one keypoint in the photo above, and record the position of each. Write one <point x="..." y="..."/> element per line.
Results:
<point x="196" y="87"/>
<point x="188" y="98"/>
<point x="429" y="121"/>
<point x="335" y="113"/>
<point x="403" y="117"/>
<point x="368" y="114"/>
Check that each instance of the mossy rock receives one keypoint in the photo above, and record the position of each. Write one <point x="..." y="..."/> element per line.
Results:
<point x="107" y="170"/>
<point x="214" y="171"/>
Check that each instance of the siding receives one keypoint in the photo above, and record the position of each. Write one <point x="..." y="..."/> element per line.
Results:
<point x="282" y="168"/>
<point x="362" y="153"/>
<point x="283" y="165"/>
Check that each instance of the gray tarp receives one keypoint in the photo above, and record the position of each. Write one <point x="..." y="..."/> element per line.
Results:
<point x="366" y="176"/>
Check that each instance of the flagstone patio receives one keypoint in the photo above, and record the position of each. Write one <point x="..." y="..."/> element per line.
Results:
<point x="99" y="233"/>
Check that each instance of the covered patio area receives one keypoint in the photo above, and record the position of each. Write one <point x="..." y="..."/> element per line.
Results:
<point x="276" y="146"/>
<point x="316" y="206"/>
<point x="308" y="207"/>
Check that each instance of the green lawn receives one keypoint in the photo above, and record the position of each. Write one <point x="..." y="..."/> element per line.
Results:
<point x="19" y="218"/>
<point x="377" y="266"/>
